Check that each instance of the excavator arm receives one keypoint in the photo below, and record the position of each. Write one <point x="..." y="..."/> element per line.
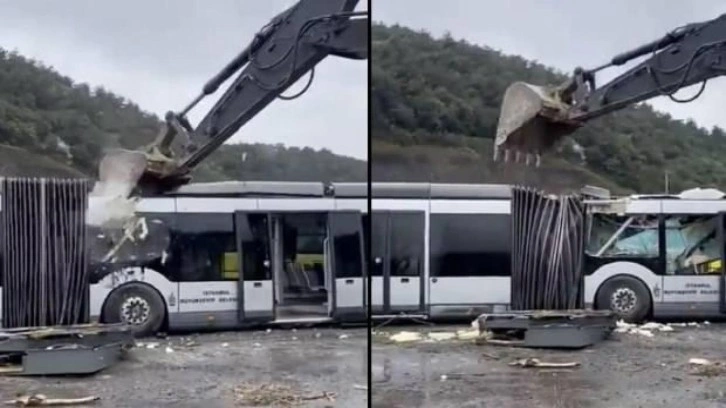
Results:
<point x="282" y="52"/>
<point x="533" y="118"/>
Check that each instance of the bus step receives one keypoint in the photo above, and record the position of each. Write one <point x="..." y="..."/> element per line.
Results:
<point x="302" y="320"/>
<point x="400" y="316"/>
<point x="565" y="329"/>
<point x="82" y="349"/>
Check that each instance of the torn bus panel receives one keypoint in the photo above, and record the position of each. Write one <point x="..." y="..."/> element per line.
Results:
<point x="44" y="263"/>
<point x="547" y="251"/>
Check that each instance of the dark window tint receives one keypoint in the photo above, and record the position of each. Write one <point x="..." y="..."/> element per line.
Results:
<point x="367" y="237"/>
<point x="406" y="244"/>
<point x="253" y="233"/>
<point x="204" y="248"/>
<point x="346" y="235"/>
<point x="470" y="245"/>
<point x="379" y="222"/>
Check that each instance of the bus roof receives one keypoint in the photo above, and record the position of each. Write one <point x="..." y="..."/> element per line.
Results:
<point x="272" y="189"/>
<point x="439" y="190"/>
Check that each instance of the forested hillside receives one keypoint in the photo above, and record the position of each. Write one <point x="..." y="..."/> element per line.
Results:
<point x="53" y="126"/>
<point x="435" y="108"/>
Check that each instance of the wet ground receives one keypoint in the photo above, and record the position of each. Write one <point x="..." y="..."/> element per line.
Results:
<point x="630" y="370"/>
<point x="205" y="370"/>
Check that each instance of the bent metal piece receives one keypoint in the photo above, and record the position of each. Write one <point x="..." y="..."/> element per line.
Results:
<point x="63" y="350"/>
<point x="564" y="329"/>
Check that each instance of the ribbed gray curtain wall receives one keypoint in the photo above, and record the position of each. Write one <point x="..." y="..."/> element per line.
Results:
<point x="547" y="251"/>
<point x="45" y="274"/>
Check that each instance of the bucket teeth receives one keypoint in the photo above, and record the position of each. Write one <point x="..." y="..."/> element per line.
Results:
<point x="529" y="159"/>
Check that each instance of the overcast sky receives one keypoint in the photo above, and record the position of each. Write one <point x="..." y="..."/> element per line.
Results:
<point x="568" y="33"/>
<point x="159" y="53"/>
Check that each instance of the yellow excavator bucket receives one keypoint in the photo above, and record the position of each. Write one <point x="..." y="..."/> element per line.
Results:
<point x="531" y="120"/>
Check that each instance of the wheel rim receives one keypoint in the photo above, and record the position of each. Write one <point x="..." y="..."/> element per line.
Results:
<point x="623" y="301"/>
<point x="135" y="310"/>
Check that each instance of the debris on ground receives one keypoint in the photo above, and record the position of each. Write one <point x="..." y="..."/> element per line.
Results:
<point x="537" y="363"/>
<point x="40" y="400"/>
<point x="699" y="361"/>
<point x="360" y="387"/>
<point x="411" y="336"/>
<point x="405" y="336"/>
<point x="706" y="368"/>
<point x="442" y="336"/>
<point x="645" y="330"/>
<point x="250" y="395"/>
<point x="468" y="334"/>
<point x="691" y="324"/>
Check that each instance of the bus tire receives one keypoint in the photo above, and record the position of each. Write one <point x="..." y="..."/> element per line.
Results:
<point x="138" y="305"/>
<point x="628" y="297"/>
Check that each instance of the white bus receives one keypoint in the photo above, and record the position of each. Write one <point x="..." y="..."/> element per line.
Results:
<point x="443" y="250"/>
<point x="242" y="253"/>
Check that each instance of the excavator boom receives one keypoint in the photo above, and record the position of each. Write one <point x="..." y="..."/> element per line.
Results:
<point x="281" y="53"/>
<point x="534" y="118"/>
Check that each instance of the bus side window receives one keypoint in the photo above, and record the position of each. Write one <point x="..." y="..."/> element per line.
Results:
<point x="616" y="236"/>
<point x="204" y="247"/>
<point x="470" y="245"/>
<point x="691" y="245"/>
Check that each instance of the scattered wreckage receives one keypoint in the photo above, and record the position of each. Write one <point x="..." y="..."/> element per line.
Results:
<point x="45" y="275"/>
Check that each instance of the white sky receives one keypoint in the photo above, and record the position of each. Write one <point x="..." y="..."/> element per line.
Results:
<point x="159" y="54"/>
<point x="568" y="33"/>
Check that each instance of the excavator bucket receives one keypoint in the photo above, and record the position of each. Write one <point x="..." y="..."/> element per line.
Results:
<point x="120" y="171"/>
<point x="531" y="120"/>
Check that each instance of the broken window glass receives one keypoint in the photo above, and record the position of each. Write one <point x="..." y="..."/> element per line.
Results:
<point x="623" y="236"/>
<point x="692" y="246"/>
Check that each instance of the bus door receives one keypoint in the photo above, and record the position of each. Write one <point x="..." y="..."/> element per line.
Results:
<point x="397" y="265"/>
<point x="254" y="231"/>
<point x="344" y="256"/>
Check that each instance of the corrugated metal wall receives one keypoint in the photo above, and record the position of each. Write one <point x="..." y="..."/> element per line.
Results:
<point x="44" y="258"/>
<point x="547" y="251"/>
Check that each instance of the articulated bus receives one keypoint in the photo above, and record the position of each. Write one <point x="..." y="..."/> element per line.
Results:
<point x="443" y="251"/>
<point x="240" y="253"/>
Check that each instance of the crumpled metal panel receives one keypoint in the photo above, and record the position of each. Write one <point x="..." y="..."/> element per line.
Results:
<point x="547" y="251"/>
<point x="44" y="257"/>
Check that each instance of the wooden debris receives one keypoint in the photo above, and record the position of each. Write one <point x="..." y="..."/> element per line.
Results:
<point x="499" y="342"/>
<point x="490" y="356"/>
<point x="537" y="363"/>
<point x="40" y="400"/>
<point x="275" y="395"/>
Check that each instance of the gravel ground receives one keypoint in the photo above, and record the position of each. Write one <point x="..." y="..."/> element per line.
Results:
<point x="204" y="370"/>
<point x="629" y="370"/>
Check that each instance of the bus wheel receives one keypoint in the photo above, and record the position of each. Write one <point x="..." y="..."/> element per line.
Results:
<point x="137" y="305"/>
<point x="625" y="296"/>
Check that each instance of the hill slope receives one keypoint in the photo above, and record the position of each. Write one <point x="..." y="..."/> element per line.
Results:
<point x="51" y="126"/>
<point x="435" y="105"/>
